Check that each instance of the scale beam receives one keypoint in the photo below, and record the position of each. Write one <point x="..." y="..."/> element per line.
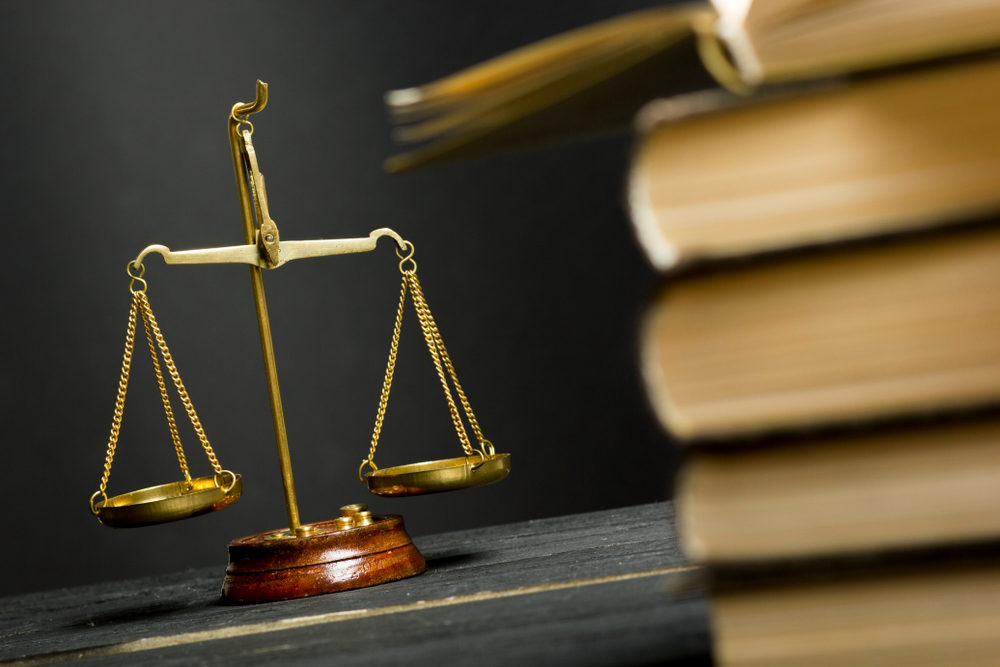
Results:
<point x="255" y="256"/>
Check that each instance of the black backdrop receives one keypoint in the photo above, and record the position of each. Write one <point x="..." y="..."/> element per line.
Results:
<point x="114" y="137"/>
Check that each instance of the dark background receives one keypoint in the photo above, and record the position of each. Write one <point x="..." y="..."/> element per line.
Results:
<point x="114" y="137"/>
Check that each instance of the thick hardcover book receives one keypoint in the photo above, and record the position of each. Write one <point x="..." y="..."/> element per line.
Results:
<point x="718" y="175"/>
<point x="867" y="332"/>
<point x="907" y="486"/>
<point x="916" y="611"/>
<point x="782" y="39"/>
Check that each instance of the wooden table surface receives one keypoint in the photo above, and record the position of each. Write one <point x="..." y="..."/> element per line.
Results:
<point x="607" y="587"/>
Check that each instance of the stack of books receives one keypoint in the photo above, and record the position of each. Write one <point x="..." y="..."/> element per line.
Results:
<point x="827" y="346"/>
<point x="826" y="342"/>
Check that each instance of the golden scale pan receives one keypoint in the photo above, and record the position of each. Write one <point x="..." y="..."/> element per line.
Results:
<point x="462" y="472"/>
<point x="169" y="502"/>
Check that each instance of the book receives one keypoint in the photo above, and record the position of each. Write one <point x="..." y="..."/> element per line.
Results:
<point x="936" y="612"/>
<point x="883" y="490"/>
<point x="715" y="176"/>
<point x="870" y="331"/>
<point x="505" y="101"/>
<point x="771" y="40"/>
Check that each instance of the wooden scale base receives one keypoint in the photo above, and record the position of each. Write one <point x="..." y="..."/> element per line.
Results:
<point x="353" y="551"/>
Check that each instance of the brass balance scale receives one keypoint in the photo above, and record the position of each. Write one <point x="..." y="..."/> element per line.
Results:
<point x="356" y="549"/>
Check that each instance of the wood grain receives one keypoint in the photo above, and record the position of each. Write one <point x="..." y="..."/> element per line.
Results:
<point x="268" y="567"/>
<point x="598" y="588"/>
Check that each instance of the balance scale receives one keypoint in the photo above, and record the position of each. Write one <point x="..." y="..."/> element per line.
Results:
<point x="356" y="549"/>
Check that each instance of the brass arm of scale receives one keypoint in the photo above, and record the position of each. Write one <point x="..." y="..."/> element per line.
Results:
<point x="287" y="251"/>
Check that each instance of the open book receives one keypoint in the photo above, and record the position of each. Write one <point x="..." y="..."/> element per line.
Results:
<point x="504" y="102"/>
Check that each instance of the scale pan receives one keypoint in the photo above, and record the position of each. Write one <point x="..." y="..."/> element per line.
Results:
<point x="463" y="472"/>
<point x="168" y="502"/>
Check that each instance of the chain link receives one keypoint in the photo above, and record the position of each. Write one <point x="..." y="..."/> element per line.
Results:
<point x="421" y="304"/>
<point x="116" y="421"/>
<point x="432" y="346"/>
<point x="442" y="364"/>
<point x="390" y="370"/>
<point x="165" y="398"/>
<point x="179" y="385"/>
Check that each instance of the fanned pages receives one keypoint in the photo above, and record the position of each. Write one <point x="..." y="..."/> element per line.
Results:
<point x="505" y="101"/>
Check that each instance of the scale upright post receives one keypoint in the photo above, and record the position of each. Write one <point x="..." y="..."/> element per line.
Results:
<point x="354" y="550"/>
<point x="237" y="118"/>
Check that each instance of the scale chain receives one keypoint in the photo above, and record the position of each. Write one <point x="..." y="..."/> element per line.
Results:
<point x="421" y="303"/>
<point x="442" y="364"/>
<point x="432" y="347"/>
<point x="116" y="422"/>
<point x="390" y="369"/>
<point x="164" y="397"/>
<point x="179" y="384"/>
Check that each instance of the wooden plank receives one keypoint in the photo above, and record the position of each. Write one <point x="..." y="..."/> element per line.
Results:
<point x="597" y="588"/>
